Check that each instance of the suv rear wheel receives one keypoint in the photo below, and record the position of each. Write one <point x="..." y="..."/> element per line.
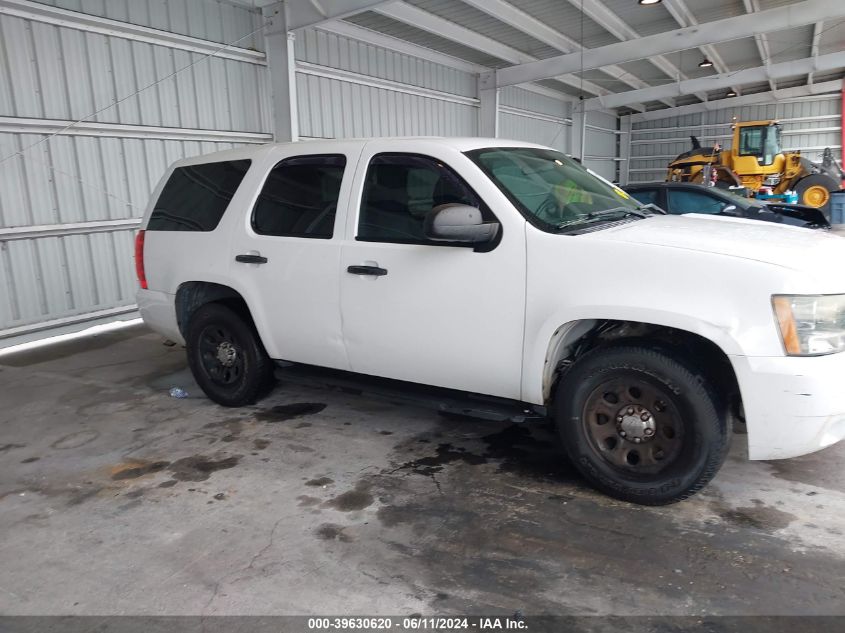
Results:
<point x="226" y="356"/>
<point x="640" y="425"/>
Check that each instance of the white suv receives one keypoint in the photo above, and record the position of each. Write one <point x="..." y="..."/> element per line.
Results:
<point x="505" y="269"/>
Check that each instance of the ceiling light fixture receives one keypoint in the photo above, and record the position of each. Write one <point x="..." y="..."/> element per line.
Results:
<point x="705" y="63"/>
<point x="648" y="2"/>
<point x="730" y="93"/>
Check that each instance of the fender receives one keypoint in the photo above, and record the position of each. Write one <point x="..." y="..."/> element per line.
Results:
<point x="560" y="330"/>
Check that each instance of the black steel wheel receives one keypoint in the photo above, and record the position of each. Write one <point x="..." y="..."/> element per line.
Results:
<point x="633" y="424"/>
<point x="640" y="425"/>
<point x="226" y="356"/>
<point x="221" y="354"/>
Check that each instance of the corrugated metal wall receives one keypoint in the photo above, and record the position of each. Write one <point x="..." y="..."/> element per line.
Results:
<point x="600" y="144"/>
<point x="347" y="88"/>
<point x="527" y="116"/>
<point x="69" y="207"/>
<point x="809" y="124"/>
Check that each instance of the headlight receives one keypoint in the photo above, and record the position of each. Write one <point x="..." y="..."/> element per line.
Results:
<point x="811" y="325"/>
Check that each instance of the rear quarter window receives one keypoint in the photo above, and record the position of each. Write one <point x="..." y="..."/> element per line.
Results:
<point x="195" y="197"/>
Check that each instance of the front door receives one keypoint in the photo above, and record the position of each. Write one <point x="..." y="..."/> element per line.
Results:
<point x="432" y="313"/>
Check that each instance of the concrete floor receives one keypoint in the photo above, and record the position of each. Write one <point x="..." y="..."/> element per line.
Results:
<point x="118" y="499"/>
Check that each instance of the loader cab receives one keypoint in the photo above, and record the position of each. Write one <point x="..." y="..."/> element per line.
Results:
<point x="761" y="140"/>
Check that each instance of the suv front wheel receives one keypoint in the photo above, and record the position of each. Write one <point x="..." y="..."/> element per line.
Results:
<point x="640" y="425"/>
<point x="226" y="356"/>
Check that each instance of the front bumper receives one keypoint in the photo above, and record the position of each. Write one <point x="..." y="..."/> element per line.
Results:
<point x="158" y="309"/>
<point x="793" y="405"/>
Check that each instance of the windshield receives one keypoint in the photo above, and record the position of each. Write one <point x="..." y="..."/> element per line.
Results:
<point x="553" y="192"/>
<point x="762" y="141"/>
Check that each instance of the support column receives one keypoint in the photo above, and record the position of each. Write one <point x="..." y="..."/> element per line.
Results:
<point x="624" y="149"/>
<point x="281" y="66"/>
<point x="579" y="131"/>
<point x="488" y="111"/>
<point x="842" y="132"/>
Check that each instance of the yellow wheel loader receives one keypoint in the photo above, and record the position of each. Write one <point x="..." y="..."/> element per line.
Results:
<point x="756" y="160"/>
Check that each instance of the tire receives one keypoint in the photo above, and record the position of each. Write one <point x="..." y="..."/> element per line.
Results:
<point x="640" y="425"/>
<point x="809" y="190"/>
<point x="226" y="356"/>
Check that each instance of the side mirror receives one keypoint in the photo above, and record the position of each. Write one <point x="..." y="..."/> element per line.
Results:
<point x="458" y="223"/>
<point x="730" y="210"/>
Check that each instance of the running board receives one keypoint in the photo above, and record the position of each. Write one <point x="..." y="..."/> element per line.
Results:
<point x="446" y="401"/>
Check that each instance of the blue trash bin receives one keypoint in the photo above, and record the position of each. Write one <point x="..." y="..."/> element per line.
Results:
<point x="837" y="207"/>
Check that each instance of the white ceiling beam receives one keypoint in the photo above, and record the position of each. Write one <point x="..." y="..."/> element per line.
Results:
<point x="444" y="28"/>
<point x="752" y="6"/>
<point x="798" y="14"/>
<point x="786" y="94"/>
<point x="521" y="21"/>
<point x="305" y="13"/>
<point x="684" y="17"/>
<point x="518" y="19"/>
<point x="382" y="40"/>
<point x="598" y="12"/>
<point x="360" y="33"/>
<point x="830" y="61"/>
<point x="814" y="47"/>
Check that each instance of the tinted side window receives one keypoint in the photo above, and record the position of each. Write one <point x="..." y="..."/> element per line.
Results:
<point x="646" y="196"/>
<point x="400" y="189"/>
<point x="195" y="197"/>
<point x="300" y="197"/>
<point x="685" y="201"/>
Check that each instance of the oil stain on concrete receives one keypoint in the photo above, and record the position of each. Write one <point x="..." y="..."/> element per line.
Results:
<point x="352" y="500"/>
<point x="136" y="469"/>
<point x="332" y="532"/>
<point x="199" y="467"/>
<point x="758" y="516"/>
<point x="509" y="512"/>
<point x="284" y="412"/>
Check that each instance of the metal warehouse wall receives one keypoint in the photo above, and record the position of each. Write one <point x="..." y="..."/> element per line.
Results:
<point x="600" y="144"/>
<point x="66" y="233"/>
<point x="69" y="207"/>
<point x="527" y="116"/>
<point x="809" y="124"/>
<point x="347" y="88"/>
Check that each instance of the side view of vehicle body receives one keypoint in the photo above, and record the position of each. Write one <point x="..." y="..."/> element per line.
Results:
<point x="504" y="269"/>
<point x="679" y="198"/>
<point x="755" y="160"/>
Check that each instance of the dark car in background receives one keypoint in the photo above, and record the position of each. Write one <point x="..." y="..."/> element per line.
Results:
<point x="678" y="198"/>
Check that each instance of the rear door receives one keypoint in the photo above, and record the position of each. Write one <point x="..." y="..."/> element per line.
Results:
<point x="438" y="314"/>
<point x="287" y="255"/>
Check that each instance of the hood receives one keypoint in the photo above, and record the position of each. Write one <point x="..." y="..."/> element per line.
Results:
<point x="786" y="246"/>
